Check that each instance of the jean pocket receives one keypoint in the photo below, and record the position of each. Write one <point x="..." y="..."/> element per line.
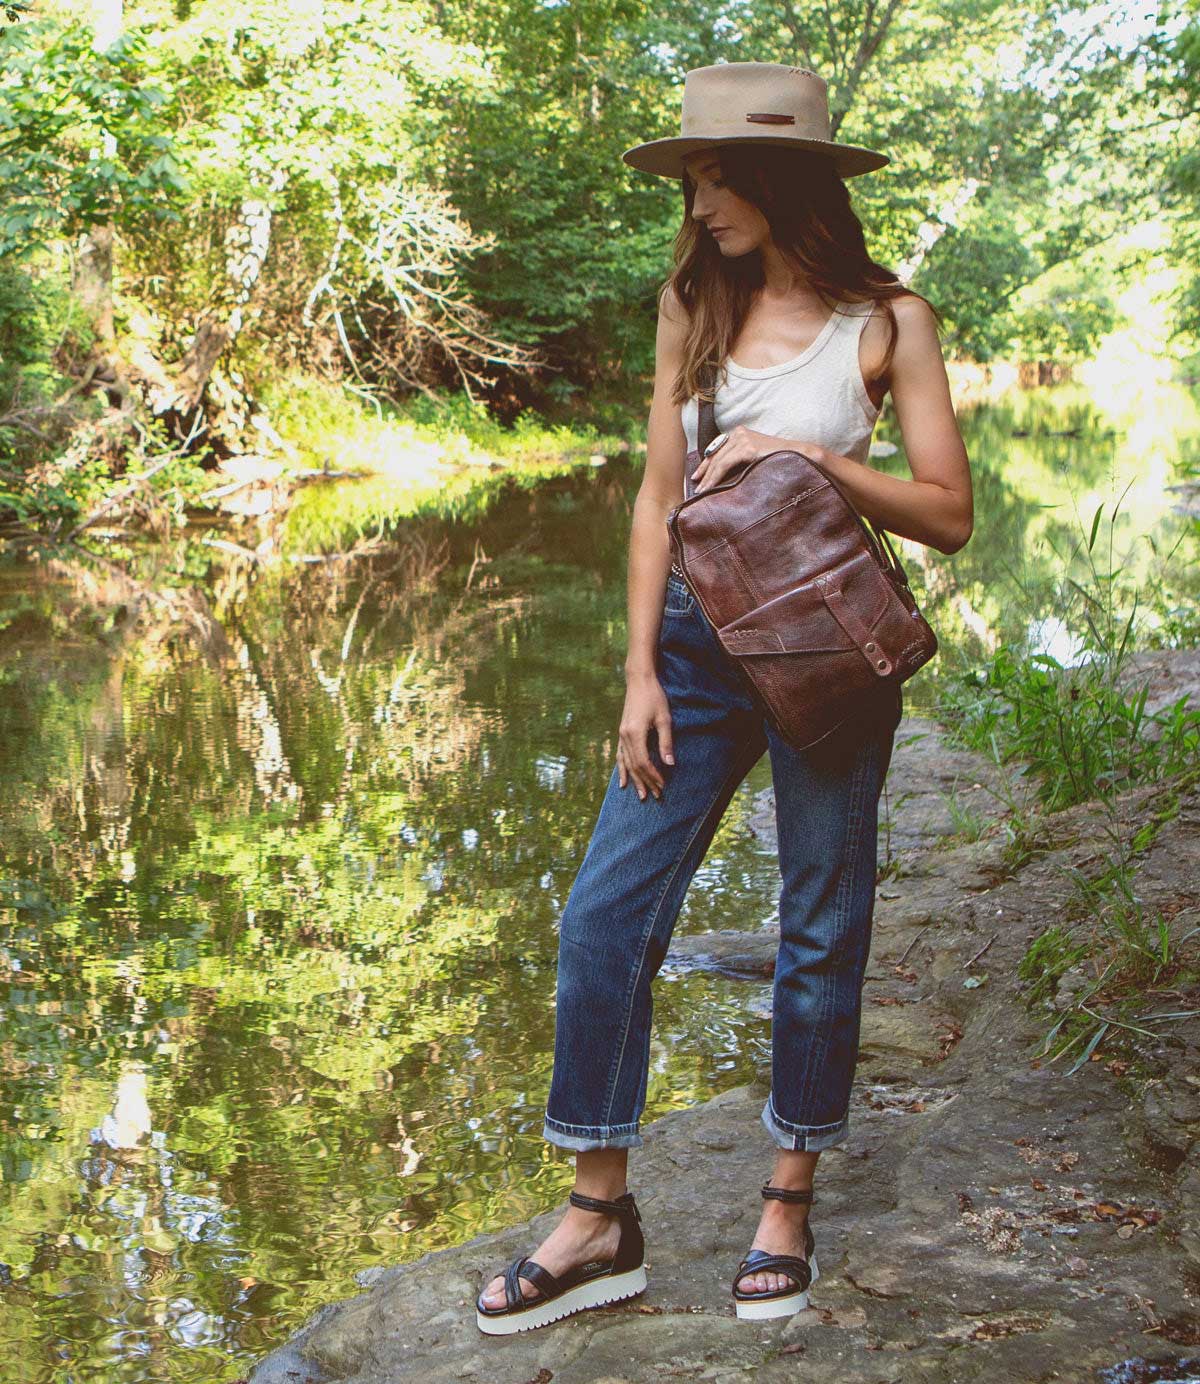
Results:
<point x="679" y="599"/>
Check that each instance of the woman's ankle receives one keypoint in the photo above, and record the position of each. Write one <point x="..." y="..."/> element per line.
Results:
<point x="602" y="1173"/>
<point x="605" y="1192"/>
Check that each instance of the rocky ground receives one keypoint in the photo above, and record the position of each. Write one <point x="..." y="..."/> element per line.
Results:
<point x="989" y="1217"/>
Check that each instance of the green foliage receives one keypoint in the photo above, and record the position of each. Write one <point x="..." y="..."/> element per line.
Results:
<point x="1085" y="736"/>
<point x="1172" y="57"/>
<point x="1049" y="956"/>
<point x="534" y="157"/>
<point x="37" y="311"/>
<point x="1130" y="948"/>
<point x="422" y="198"/>
<point x="1066" y="324"/>
<point x="1079" y="730"/>
<point x="81" y="140"/>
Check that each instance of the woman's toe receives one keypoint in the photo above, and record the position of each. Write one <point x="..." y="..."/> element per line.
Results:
<point x="495" y="1296"/>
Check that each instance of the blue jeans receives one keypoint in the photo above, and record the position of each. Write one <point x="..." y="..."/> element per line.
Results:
<point x="619" y="916"/>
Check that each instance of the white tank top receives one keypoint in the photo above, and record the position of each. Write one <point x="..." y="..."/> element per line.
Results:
<point x="817" y="396"/>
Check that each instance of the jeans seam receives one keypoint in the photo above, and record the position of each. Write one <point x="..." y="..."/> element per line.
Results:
<point x="790" y="1127"/>
<point x="801" y="1137"/>
<point x="596" y="1131"/>
<point x="845" y="887"/>
<point x="615" y="1076"/>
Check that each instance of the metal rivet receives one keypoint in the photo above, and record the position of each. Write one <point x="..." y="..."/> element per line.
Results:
<point x="870" y="646"/>
<point x="882" y="663"/>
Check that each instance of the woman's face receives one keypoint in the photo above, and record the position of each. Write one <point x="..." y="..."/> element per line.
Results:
<point x="736" y="226"/>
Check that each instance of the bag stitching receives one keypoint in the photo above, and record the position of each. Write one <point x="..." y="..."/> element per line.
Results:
<point x="762" y="519"/>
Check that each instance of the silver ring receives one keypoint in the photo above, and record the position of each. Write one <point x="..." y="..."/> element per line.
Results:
<point x="717" y="442"/>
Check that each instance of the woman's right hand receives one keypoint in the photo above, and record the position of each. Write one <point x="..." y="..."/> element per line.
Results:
<point x="646" y="709"/>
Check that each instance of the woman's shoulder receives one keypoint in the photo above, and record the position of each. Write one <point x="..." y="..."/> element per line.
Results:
<point x="914" y="319"/>
<point x="908" y="307"/>
<point x="670" y="309"/>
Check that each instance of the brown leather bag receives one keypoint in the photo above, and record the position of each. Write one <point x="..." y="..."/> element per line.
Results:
<point x="799" y="591"/>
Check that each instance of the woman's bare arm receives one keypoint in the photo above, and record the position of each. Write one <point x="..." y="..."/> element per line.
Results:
<point x="661" y="489"/>
<point x="650" y="561"/>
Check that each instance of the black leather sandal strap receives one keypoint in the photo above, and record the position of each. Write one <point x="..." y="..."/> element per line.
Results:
<point x="623" y="1206"/>
<point x="530" y="1270"/>
<point x="513" y="1296"/>
<point x="797" y="1195"/>
<point x="758" y="1261"/>
<point x="541" y="1278"/>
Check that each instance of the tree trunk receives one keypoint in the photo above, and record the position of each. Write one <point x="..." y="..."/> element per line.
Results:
<point x="93" y="272"/>
<point x="93" y="280"/>
<point x="247" y="243"/>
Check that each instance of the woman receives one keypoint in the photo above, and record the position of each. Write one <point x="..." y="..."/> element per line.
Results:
<point x="773" y="279"/>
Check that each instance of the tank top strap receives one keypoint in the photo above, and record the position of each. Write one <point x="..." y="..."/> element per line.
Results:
<point x="851" y="321"/>
<point x="840" y="359"/>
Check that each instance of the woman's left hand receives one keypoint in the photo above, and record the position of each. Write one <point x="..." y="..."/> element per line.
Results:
<point x="741" y="445"/>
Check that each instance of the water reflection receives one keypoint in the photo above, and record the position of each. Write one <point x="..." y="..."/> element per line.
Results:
<point x="281" y="877"/>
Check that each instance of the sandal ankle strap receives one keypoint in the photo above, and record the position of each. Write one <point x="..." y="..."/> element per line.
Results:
<point x="797" y="1195"/>
<point x="623" y="1206"/>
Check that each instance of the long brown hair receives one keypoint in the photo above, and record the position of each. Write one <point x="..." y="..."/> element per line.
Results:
<point x="807" y="207"/>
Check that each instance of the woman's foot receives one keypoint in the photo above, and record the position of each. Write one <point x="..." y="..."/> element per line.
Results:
<point x="579" y="1238"/>
<point x="780" y="1231"/>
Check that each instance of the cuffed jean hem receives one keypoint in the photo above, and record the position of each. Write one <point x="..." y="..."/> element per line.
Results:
<point x="803" y="1138"/>
<point x="585" y="1138"/>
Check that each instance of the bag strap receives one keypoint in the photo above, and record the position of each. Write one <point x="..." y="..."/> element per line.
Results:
<point x="881" y="534"/>
<point x="706" y="428"/>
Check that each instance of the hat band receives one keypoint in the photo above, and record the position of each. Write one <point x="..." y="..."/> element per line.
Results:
<point x="769" y="118"/>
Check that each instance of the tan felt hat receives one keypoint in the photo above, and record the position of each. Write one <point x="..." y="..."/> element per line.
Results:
<point x="752" y="103"/>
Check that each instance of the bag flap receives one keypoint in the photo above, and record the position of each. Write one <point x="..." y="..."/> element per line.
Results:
<point x="799" y="621"/>
<point x="839" y="610"/>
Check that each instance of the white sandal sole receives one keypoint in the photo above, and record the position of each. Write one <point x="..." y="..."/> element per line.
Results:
<point x="578" y="1299"/>
<point x="778" y="1306"/>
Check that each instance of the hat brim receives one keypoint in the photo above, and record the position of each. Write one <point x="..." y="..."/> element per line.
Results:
<point x="665" y="156"/>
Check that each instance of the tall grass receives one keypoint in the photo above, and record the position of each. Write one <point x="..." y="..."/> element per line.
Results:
<point x="1079" y="731"/>
<point x="1085" y="733"/>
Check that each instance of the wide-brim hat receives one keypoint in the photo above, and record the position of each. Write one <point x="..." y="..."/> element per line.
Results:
<point x="752" y="103"/>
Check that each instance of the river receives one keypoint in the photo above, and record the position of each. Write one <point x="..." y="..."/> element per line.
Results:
<point x="280" y="878"/>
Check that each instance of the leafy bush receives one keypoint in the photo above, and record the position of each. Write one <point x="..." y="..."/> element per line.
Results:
<point x="1080" y="731"/>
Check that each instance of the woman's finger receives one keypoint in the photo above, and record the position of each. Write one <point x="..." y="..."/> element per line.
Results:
<point x="629" y="763"/>
<point x="638" y="785"/>
<point x="644" y="771"/>
<point x="718" y="470"/>
<point x="662" y="724"/>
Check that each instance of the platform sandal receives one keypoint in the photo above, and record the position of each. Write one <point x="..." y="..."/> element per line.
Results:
<point x="783" y="1302"/>
<point x="592" y="1284"/>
